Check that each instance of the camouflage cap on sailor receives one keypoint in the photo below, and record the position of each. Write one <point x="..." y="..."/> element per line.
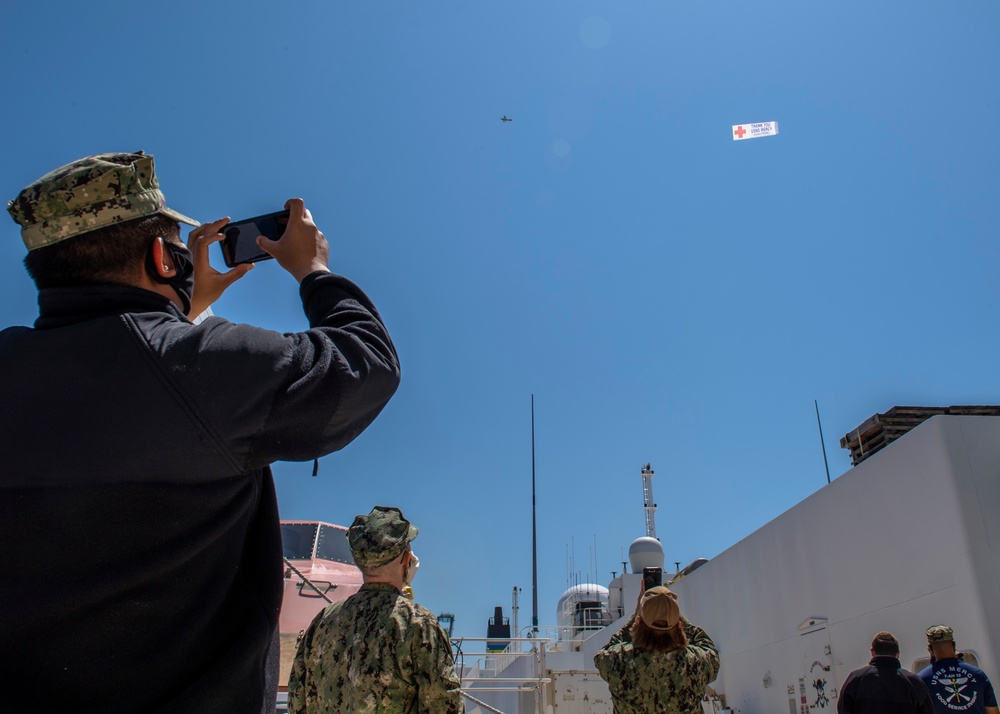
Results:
<point x="379" y="537"/>
<point x="940" y="633"/>
<point x="90" y="193"/>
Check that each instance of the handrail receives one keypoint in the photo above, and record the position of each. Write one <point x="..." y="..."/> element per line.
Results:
<point x="481" y="703"/>
<point x="536" y="681"/>
<point x="308" y="582"/>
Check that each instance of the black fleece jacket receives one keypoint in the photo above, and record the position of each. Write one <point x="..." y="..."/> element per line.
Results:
<point x="140" y="553"/>
<point x="883" y="687"/>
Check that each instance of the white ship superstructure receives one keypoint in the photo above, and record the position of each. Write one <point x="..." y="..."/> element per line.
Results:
<point x="906" y="539"/>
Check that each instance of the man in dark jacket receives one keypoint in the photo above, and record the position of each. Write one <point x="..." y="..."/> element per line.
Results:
<point x="141" y="551"/>
<point x="884" y="687"/>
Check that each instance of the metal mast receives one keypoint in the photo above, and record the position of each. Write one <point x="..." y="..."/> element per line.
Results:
<point x="534" y="540"/>
<point x="821" y="442"/>
<point x="648" y="505"/>
<point x="515" y="607"/>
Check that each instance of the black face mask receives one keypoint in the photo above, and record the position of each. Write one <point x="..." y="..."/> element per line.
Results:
<point x="182" y="280"/>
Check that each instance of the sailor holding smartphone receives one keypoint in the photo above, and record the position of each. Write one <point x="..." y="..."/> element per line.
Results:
<point x="141" y="544"/>
<point x="247" y="242"/>
<point x="659" y="661"/>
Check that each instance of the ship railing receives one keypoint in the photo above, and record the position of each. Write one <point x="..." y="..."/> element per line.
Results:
<point x="555" y="633"/>
<point x="547" y="633"/>
<point x="481" y="670"/>
<point x="571" y="635"/>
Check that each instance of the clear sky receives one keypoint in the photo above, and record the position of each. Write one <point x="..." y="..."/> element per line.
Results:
<point x="668" y="295"/>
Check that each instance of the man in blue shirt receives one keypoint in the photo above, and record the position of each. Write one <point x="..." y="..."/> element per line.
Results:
<point x="955" y="686"/>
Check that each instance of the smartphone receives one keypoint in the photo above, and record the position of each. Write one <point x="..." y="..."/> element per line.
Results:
<point x="652" y="578"/>
<point x="240" y="244"/>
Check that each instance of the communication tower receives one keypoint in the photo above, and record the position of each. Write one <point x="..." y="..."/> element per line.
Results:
<point x="648" y="505"/>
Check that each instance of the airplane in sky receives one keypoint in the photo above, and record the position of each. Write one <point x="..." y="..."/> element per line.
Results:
<point x="505" y="119"/>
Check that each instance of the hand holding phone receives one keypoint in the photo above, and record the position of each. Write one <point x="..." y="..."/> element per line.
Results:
<point x="652" y="578"/>
<point x="302" y="248"/>
<point x="239" y="245"/>
<point x="209" y="283"/>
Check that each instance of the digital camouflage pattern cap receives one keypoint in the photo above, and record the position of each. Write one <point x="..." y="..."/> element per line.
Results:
<point x="90" y="193"/>
<point x="379" y="537"/>
<point x="940" y="633"/>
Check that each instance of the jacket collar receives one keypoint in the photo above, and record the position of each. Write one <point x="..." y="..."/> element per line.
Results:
<point x="885" y="661"/>
<point x="387" y="587"/>
<point x="59" y="307"/>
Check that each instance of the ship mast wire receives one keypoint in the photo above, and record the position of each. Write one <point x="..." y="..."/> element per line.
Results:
<point x="821" y="442"/>
<point x="534" y="532"/>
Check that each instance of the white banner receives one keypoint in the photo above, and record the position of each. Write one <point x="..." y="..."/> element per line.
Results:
<point x="755" y="130"/>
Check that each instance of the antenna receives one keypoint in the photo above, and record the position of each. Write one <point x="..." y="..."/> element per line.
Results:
<point x="821" y="442"/>
<point x="649" y="507"/>
<point x="534" y="531"/>
<point x="595" y="571"/>
<point x="572" y="561"/>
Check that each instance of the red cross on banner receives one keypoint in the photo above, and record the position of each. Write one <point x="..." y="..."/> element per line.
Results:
<point x="754" y="130"/>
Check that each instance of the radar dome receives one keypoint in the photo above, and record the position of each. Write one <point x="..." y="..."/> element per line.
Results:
<point x="645" y="552"/>
<point x="582" y="610"/>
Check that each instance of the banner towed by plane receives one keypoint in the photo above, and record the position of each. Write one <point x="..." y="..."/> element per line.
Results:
<point x="755" y="130"/>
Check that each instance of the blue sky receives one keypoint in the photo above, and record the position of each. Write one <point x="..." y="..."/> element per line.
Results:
<point x="668" y="295"/>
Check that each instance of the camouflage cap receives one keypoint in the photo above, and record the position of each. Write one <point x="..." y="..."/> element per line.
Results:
<point x="659" y="610"/>
<point x="90" y="193"/>
<point x="940" y="633"/>
<point x="380" y="537"/>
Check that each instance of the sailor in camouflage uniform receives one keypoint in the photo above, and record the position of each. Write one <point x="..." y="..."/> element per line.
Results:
<point x="658" y="662"/>
<point x="376" y="651"/>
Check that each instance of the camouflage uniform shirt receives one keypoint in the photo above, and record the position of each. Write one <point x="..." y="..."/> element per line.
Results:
<point x="664" y="682"/>
<point x="376" y="651"/>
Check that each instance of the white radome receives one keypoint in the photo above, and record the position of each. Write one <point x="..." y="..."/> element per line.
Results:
<point x="645" y="552"/>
